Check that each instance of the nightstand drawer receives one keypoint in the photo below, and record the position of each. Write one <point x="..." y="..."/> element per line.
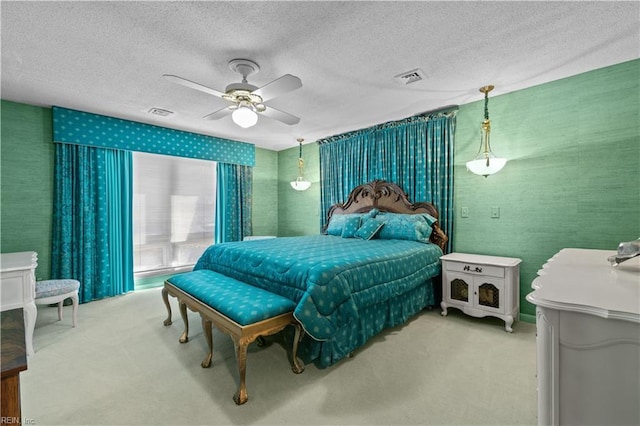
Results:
<point x="475" y="268"/>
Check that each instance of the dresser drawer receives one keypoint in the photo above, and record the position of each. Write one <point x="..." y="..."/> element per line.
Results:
<point x="474" y="268"/>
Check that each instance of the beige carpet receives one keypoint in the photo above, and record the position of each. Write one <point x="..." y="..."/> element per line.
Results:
<point x="121" y="366"/>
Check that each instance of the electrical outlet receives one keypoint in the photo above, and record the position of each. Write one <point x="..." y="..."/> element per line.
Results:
<point x="495" y="212"/>
<point x="464" y="211"/>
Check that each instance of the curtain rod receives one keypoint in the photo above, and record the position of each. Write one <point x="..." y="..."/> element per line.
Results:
<point x="412" y="118"/>
<point x="447" y="108"/>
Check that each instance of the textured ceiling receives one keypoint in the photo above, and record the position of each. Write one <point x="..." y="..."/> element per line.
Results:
<point x="109" y="57"/>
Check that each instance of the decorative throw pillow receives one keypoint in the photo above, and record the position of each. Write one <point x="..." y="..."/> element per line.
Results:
<point x="412" y="227"/>
<point x="369" y="229"/>
<point x="351" y="225"/>
<point x="337" y="221"/>
<point x="430" y="219"/>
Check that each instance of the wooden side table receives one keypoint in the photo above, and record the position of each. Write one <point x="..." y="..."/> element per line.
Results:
<point x="14" y="360"/>
<point x="482" y="286"/>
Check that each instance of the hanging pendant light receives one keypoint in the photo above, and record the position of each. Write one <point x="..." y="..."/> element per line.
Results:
<point x="486" y="162"/>
<point x="300" y="184"/>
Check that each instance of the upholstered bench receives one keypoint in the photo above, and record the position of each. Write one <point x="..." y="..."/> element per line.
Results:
<point x="241" y="310"/>
<point x="57" y="291"/>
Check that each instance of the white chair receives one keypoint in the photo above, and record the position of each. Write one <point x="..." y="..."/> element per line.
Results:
<point x="56" y="291"/>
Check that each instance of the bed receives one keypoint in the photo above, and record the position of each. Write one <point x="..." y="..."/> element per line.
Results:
<point x="347" y="289"/>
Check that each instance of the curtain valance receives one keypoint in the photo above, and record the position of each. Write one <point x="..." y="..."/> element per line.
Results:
<point x="421" y="118"/>
<point x="83" y="128"/>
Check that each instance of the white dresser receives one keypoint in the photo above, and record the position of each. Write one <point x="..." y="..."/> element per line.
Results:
<point x="588" y="339"/>
<point x="18" y="285"/>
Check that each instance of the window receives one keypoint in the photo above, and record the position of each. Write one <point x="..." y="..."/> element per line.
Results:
<point x="173" y="212"/>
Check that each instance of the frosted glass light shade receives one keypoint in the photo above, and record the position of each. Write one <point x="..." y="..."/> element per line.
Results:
<point x="244" y="117"/>
<point x="300" y="184"/>
<point x="486" y="166"/>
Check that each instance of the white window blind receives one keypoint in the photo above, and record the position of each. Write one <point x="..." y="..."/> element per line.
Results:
<point x="173" y="211"/>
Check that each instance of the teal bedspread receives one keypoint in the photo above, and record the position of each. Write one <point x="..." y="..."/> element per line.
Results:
<point x="334" y="281"/>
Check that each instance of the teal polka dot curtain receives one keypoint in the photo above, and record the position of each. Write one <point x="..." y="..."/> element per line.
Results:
<point x="416" y="153"/>
<point x="92" y="220"/>
<point x="233" y="202"/>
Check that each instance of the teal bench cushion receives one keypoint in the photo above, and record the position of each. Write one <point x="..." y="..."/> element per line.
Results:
<point x="243" y="303"/>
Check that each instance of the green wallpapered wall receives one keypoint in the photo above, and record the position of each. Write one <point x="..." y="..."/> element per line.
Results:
<point x="265" y="193"/>
<point x="572" y="179"/>
<point x="26" y="185"/>
<point x="298" y="211"/>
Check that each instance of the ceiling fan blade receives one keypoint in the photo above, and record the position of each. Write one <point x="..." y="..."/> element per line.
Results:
<point x="276" y="114"/>
<point x="193" y="85"/>
<point x="277" y="87"/>
<point x="216" y="115"/>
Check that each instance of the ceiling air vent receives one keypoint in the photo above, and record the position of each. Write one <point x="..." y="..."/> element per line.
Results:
<point x="410" y="76"/>
<point x="161" y="112"/>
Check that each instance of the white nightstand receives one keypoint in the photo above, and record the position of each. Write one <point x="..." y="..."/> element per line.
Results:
<point x="482" y="286"/>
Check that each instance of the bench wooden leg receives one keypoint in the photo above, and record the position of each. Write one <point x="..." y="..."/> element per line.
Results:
<point x="241" y="335"/>
<point x="296" y="364"/>
<point x="74" y="302"/>
<point x="165" y="299"/>
<point x="183" y="313"/>
<point x="206" y="327"/>
<point x="241" y="358"/>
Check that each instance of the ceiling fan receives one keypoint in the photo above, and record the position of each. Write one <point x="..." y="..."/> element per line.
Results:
<point x="247" y="100"/>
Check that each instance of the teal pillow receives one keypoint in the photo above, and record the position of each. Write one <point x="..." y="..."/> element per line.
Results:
<point x="337" y="221"/>
<point x="430" y="219"/>
<point x="369" y="229"/>
<point x="351" y="225"/>
<point x="412" y="227"/>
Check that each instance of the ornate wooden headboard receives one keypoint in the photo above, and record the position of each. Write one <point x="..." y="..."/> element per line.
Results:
<point x="387" y="197"/>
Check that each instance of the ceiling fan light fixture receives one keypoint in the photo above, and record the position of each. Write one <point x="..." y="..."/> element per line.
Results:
<point x="246" y="100"/>
<point x="244" y="117"/>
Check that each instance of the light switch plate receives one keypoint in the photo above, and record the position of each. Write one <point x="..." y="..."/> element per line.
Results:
<point x="495" y="212"/>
